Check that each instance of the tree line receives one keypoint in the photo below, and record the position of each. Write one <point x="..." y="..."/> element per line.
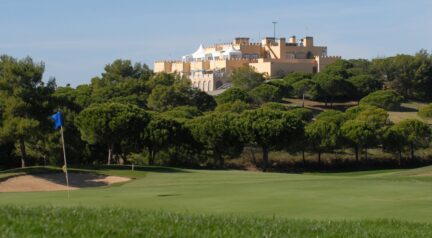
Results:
<point x="129" y="114"/>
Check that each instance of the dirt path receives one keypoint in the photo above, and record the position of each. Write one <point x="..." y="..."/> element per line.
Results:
<point x="57" y="182"/>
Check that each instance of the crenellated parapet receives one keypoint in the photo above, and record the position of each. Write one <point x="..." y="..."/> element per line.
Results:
<point x="323" y="61"/>
<point x="328" y="57"/>
<point x="169" y="61"/>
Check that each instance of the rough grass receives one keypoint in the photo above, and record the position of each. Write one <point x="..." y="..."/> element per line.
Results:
<point x="108" y="222"/>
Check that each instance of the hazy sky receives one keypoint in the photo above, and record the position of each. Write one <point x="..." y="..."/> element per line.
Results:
<point x="77" y="38"/>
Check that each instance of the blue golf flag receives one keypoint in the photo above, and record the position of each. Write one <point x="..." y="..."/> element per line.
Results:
<point x="58" y="122"/>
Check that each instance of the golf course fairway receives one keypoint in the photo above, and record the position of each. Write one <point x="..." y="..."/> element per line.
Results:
<point x="403" y="195"/>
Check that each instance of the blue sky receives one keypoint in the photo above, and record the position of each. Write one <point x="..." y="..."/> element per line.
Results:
<point x="76" y="39"/>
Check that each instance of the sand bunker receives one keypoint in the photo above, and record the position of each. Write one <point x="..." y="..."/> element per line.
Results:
<point x="57" y="182"/>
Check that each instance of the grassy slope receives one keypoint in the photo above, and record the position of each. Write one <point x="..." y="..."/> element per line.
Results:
<point x="383" y="194"/>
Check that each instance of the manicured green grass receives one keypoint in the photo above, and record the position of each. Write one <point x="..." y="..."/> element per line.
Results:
<point x="91" y="222"/>
<point x="402" y="195"/>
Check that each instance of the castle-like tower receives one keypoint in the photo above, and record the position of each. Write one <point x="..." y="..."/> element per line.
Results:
<point x="209" y="67"/>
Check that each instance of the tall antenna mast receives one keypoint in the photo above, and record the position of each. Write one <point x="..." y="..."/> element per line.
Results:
<point x="274" y="29"/>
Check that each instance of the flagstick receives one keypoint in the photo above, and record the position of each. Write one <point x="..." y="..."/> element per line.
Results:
<point x="65" y="163"/>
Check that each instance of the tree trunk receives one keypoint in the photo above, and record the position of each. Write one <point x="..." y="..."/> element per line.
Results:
<point x="23" y="153"/>
<point x="123" y="157"/>
<point x="152" y="157"/>
<point x="400" y="157"/>
<point x="331" y="101"/>
<point x="412" y="152"/>
<point x="109" y="154"/>
<point x="303" y="100"/>
<point x="319" y="158"/>
<point x="265" y="158"/>
<point x="303" y="157"/>
<point x="356" y="150"/>
<point x="366" y="154"/>
<point x="218" y="160"/>
<point x="253" y="156"/>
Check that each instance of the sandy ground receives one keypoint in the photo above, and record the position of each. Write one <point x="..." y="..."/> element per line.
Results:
<point x="57" y="182"/>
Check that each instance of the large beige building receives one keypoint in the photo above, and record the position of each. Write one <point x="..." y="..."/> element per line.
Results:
<point x="209" y="67"/>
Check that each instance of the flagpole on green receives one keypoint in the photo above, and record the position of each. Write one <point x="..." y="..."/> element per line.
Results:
<point x="65" y="162"/>
<point x="58" y="122"/>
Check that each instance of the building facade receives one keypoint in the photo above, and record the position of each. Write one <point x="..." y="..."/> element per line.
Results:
<point x="209" y="68"/>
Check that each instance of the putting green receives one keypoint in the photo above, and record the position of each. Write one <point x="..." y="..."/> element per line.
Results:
<point x="403" y="195"/>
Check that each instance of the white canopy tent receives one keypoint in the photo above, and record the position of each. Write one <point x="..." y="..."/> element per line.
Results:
<point x="232" y="53"/>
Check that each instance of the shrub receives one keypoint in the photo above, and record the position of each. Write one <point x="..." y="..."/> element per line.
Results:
<point x="385" y="99"/>
<point x="426" y="112"/>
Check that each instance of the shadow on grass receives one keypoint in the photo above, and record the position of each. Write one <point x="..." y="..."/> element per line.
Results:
<point x="157" y="169"/>
<point x="404" y="109"/>
<point x="33" y="170"/>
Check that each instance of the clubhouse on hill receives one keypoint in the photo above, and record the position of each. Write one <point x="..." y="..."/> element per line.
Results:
<point x="208" y="68"/>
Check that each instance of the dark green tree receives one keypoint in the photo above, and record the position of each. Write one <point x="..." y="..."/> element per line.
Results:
<point x="270" y="129"/>
<point x="233" y="107"/>
<point x="25" y="102"/>
<point x="162" y="133"/>
<point x="220" y="134"/>
<point x="110" y="124"/>
<point x="322" y="136"/>
<point x="274" y="106"/>
<point x="364" y="85"/>
<point x="295" y="77"/>
<point x="182" y="113"/>
<point x="266" y="93"/>
<point x="417" y="134"/>
<point x="330" y="86"/>
<point x="385" y="99"/>
<point x="246" y="78"/>
<point x="164" y="98"/>
<point x="306" y="89"/>
<point x="332" y="116"/>
<point x="302" y="113"/>
<point x="360" y="135"/>
<point x="395" y="141"/>
<point x="232" y="95"/>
